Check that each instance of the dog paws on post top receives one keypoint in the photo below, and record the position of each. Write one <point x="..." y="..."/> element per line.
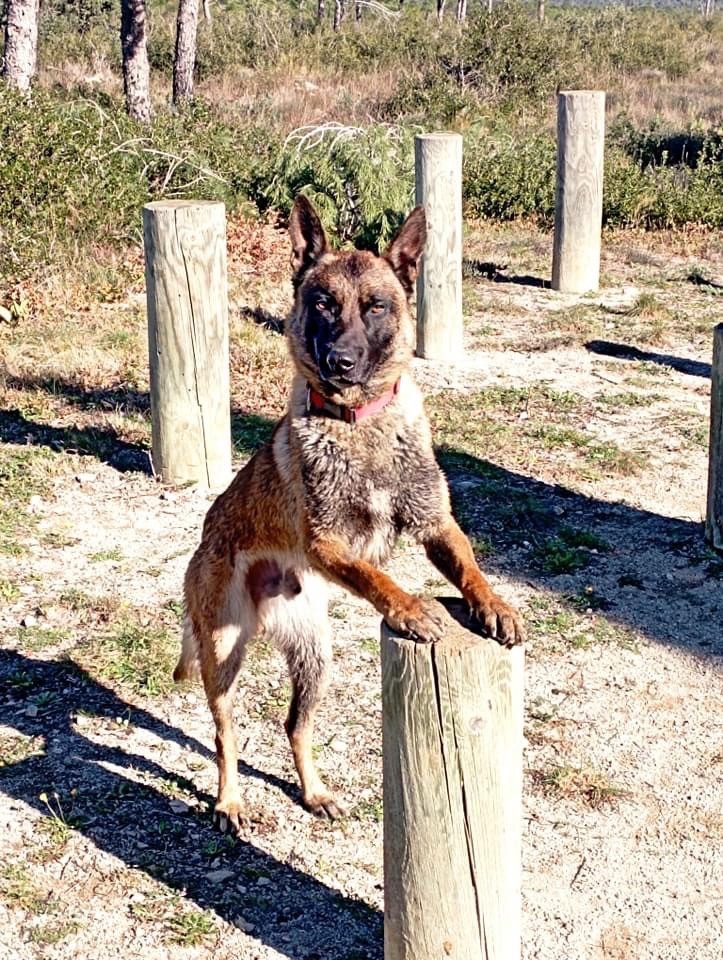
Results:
<point x="349" y="468"/>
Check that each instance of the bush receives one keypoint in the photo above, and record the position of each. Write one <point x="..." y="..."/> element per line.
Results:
<point x="78" y="172"/>
<point x="360" y="180"/>
<point x="506" y="177"/>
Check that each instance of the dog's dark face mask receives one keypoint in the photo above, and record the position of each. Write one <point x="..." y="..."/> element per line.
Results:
<point x="350" y="327"/>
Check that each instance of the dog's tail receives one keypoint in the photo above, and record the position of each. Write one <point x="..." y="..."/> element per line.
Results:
<point x="188" y="666"/>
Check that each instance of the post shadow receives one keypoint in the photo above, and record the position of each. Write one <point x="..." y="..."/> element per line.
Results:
<point x="295" y="914"/>
<point x="624" y="351"/>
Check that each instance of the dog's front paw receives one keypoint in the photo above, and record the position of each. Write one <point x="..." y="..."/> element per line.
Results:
<point x="419" y="619"/>
<point x="499" y="620"/>
<point x="324" y="805"/>
<point x="229" y="819"/>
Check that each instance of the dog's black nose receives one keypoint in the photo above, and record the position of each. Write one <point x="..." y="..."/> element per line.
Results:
<point x="340" y="362"/>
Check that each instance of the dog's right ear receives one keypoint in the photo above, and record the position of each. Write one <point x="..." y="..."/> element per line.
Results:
<point x="308" y="240"/>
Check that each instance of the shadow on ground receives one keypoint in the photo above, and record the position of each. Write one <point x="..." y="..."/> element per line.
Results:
<point x="248" y="430"/>
<point x="623" y="351"/>
<point x="638" y="569"/>
<point x="489" y="270"/>
<point x="298" y="916"/>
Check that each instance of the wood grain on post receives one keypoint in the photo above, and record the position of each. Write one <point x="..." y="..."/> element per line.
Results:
<point x="438" y="171"/>
<point x="185" y="247"/>
<point x="714" y="514"/>
<point x="452" y="719"/>
<point x="578" y="200"/>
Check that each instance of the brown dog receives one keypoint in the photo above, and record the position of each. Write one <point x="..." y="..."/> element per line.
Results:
<point x="348" y="469"/>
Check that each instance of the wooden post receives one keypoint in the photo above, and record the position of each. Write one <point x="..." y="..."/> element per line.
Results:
<point x="714" y="515"/>
<point x="438" y="170"/>
<point x="578" y="202"/>
<point x="452" y="722"/>
<point x="185" y="246"/>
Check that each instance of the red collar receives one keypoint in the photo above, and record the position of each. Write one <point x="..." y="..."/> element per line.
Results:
<point x="318" y="405"/>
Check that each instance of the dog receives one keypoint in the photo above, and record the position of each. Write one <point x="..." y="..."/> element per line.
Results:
<point x="347" y="470"/>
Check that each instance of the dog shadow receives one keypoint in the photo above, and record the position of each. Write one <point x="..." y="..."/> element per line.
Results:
<point x="108" y="795"/>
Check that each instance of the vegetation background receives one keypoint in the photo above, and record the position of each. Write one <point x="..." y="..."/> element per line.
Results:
<point x="285" y="103"/>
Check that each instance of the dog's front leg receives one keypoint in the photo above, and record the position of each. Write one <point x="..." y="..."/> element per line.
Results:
<point x="451" y="553"/>
<point x="412" y="616"/>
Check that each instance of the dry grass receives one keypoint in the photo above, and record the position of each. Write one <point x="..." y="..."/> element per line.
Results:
<point x="580" y="784"/>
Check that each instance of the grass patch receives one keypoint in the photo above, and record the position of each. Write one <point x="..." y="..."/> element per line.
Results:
<point x="18" y="889"/>
<point x="191" y="928"/>
<point x="24" y="473"/>
<point x="103" y="555"/>
<point x="9" y="591"/>
<point x="53" y="932"/>
<point x="39" y="638"/>
<point x="16" y="747"/>
<point x="138" y="655"/>
<point x="581" y="784"/>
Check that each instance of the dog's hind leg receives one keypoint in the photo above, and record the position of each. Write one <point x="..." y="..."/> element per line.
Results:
<point x="300" y="627"/>
<point x="222" y="630"/>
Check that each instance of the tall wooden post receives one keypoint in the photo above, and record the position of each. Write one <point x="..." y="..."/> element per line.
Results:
<point x="714" y="515"/>
<point x="578" y="202"/>
<point x="452" y="721"/>
<point x="185" y="247"/>
<point x="438" y="170"/>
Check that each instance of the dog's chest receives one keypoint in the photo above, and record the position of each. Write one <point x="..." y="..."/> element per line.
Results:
<point x="360" y="483"/>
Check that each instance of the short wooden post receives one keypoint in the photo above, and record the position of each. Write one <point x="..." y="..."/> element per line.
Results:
<point x="578" y="202"/>
<point x="438" y="171"/>
<point x="185" y="247"/>
<point x="714" y="515"/>
<point x="452" y="722"/>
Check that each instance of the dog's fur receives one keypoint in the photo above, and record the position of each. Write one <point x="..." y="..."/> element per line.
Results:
<point x="326" y="500"/>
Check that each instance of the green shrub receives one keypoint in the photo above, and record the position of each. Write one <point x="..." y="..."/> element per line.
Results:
<point x="78" y="172"/>
<point x="360" y="179"/>
<point x="508" y="176"/>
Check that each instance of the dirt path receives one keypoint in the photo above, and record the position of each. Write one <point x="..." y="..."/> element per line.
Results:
<point x="580" y="475"/>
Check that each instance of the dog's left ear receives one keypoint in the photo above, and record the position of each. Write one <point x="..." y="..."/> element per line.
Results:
<point x="308" y="240"/>
<point x="405" y="250"/>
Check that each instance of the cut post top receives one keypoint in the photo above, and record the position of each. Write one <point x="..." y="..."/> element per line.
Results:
<point x="439" y="135"/>
<point x="461" y="630"/>
<point x="181" y="204"/>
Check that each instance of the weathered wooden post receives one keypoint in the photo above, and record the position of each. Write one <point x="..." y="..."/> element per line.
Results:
<point x="714" y="515"/>
<point x="578" y="201"/>
<point x="438" y="171"/>
<point x="452" y="720"/>
<point x="185" y="247"/>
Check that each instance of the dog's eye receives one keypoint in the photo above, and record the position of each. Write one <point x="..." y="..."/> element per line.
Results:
<point x="377" y="309"/>
<point x="321" y="304"/>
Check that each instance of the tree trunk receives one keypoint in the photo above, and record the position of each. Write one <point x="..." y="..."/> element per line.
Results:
<point x="357" y="11"/>
<point x="320" y="10"/>
<point x="185" y="58"/>
<point x="440" y="10"/>
<point x="21" y="42"/>
<point x="136" y="72"/>
<point x="489" y="6"/>
<point x="461" y="11"/>
<point x="339" y="12"/>
<point x="541" y="10"/>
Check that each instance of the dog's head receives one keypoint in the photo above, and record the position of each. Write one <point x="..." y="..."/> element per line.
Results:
<point x="350" y="332"/>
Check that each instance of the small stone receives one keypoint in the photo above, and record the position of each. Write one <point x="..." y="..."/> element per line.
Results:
<point x="85" y="477"/>
<point x="29" y="621"/>
<point x="243" y="924"/>
<point x="219" y="876"/>
<point x="263" y="882"/>
<point x="339" y="746"/>
<point x="31" y="710"/>
<point x="179" y="806"/>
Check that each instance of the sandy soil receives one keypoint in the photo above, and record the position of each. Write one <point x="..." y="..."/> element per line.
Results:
<point x="106" y="842"/>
